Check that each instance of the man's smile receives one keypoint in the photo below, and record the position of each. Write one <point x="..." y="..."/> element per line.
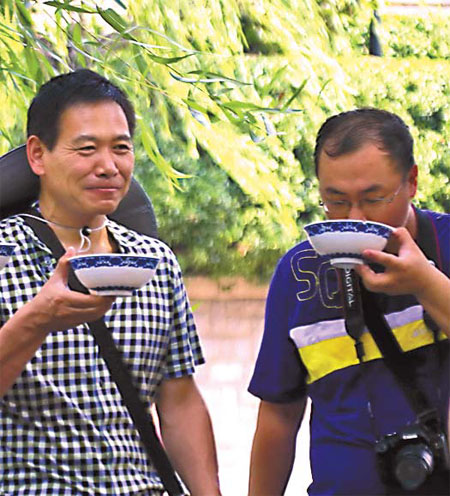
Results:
<point x="104" y="188"/>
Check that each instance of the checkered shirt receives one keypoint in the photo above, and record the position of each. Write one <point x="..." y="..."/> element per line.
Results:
<point x="64" y="429"/>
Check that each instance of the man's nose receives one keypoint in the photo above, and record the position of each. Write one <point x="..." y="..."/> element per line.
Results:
<point x="106" y="164"/>
<point x="356" y="212"/>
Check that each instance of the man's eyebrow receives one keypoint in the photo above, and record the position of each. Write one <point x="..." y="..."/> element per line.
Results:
<point x="374" y="188"/>
<point x="123" y="137"/>
<point x="82" y="138"/>
<point x="371" y="189"/>
<point x="334" y="191"/>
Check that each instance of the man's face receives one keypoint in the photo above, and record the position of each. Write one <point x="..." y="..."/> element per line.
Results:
<point x="88" y="171"/>
<point x="366" y="185"/>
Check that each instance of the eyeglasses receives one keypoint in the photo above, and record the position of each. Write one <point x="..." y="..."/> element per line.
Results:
<point x="340" y="208"/>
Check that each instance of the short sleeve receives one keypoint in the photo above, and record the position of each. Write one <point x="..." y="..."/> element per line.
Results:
<point x="184" y="351"/>
<point x="279" y="375"/>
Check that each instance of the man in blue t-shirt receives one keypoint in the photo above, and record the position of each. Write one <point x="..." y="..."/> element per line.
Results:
<point x="366" y="170"/>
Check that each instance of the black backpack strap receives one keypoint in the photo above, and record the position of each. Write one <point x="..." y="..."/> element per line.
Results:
<point x="427" y="241"/>
<point x="426" y="237"/>
<point x="120" y="374"/>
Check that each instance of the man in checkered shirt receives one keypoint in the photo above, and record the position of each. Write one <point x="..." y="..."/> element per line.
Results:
<point x="64" y="429"/>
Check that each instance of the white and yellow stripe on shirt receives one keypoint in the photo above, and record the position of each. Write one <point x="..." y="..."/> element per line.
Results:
<point x="325" y="347"/>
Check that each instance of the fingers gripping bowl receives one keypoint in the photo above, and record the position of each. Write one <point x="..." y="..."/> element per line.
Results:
<point x="114" y="274"/>
<point x="345" y="240"/>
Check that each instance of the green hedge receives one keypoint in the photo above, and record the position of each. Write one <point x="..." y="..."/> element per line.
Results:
<point x="423" y="36"/>
<point x="232" y="183"/>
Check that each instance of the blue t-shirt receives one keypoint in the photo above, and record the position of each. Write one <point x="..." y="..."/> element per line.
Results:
<point x="306" y="351"/>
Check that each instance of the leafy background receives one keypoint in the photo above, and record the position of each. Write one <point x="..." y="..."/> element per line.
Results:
<point x="229" y="96"/>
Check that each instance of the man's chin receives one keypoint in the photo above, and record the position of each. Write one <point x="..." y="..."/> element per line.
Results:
<point x="105" y="207"/>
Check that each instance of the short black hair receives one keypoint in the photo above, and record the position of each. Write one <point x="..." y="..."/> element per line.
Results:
<point x="66" y="90"/>
<point x="348" y="131"/>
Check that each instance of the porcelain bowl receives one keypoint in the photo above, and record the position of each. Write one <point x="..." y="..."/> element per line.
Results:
<point x="6" y="250"/>
<point x="345" y="240"/>
<point x="114" y="274"/>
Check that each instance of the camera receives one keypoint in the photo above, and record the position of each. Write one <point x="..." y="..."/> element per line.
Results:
<point x="410" y="456"/>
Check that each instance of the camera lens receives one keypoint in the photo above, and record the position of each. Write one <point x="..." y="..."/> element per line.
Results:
<point x="413" y="464"/>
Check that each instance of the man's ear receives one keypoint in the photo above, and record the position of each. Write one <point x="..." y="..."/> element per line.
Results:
<point x="35" y="153"/>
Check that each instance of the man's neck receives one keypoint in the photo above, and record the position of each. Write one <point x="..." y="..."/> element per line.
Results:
<point x="95" y="242"/>
<point x="411" y="222"/>
<point x="70" y="219"/>
<point x="86" y="233"/>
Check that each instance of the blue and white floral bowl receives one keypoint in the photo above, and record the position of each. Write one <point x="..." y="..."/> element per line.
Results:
<point x="6" y="250"/>
<point x="114" y="274"/>
<point x="345" y="240"/>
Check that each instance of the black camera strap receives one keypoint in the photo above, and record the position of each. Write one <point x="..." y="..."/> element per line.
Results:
<point x="395" y="359"/>
<point x="360" y="309"/>
<point x="120" y="374"/>
<point x="354" y="318"/>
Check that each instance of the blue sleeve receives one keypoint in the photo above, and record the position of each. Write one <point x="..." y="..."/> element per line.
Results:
<point x="279" y="375"/>
<point x="442" y="223"/>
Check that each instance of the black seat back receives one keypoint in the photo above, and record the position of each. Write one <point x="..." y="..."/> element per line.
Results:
<point x="19" y="188"/>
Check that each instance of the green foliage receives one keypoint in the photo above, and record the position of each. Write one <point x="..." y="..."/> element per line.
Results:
<point x="421" y="96"/>
<point x="347" y="23"/>
<point x="427" y="36"/>
<point x="229" y="96"/>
